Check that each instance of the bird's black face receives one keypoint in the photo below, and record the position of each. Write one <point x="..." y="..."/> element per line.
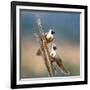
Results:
<point x="54" y="48"/>
<point x="52" y="32"/>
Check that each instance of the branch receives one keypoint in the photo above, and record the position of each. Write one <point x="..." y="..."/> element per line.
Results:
<point x="44" y="49"/>
<point x="47" y="59"/>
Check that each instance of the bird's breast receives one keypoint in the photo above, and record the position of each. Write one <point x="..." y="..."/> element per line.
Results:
<point x="49" y="38"/>
<point x="53" y="54"/>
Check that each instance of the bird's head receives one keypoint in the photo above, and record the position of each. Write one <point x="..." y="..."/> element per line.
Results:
<point x="52" y="31"/>
<point x="54" y="47"/>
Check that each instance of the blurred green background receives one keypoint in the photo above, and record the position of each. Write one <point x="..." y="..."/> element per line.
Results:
<point x="67" y="39"/>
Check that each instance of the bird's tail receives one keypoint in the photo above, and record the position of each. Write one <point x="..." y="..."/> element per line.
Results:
<point x="62" y="67"/>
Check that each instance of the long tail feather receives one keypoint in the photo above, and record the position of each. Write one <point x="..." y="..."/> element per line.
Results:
<point x="62" y="67"/>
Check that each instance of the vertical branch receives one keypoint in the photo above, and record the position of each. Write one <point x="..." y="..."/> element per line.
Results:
<point x="47" y="59"/>
<point x="44" y="49"/>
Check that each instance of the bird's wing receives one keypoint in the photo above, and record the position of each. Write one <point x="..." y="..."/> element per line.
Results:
<point x="58" y="60"/>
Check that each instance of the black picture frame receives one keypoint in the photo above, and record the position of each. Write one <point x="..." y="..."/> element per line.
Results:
<point x="14" y="4"/>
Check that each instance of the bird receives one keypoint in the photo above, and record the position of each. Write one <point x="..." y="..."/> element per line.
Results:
<point x="49" y="35"/>
<point x="53" y="51"/>
<point x="56" y="60"/>
<point x="48" y="39"/>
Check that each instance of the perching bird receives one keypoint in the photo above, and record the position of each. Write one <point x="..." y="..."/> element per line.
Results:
<point x="56" y="59"/>
<point x="49" y="35"/>
<point x="53" y="52"/>
<point x="49" y="38"/>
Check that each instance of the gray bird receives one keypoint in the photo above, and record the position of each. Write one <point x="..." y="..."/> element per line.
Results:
<point x="56" y="60"/>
